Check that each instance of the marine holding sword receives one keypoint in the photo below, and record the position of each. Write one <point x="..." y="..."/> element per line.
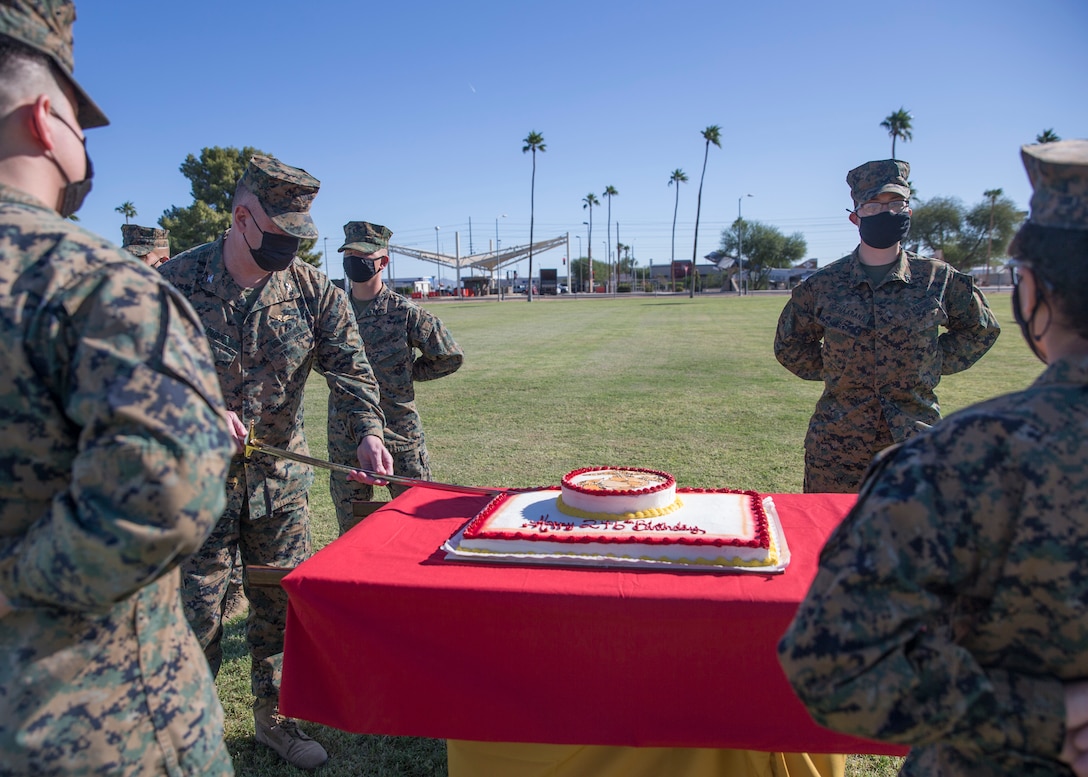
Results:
<point x="269" y="321"/>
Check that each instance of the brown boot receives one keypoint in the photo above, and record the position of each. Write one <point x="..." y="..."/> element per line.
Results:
<point x="236" y="604"/>
<point x="285" y="737"/>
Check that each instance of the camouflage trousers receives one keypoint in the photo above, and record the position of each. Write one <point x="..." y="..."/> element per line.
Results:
<point x="410" y="462"/>
<point x="836" y="459"/>
<point x="281" y="539"/>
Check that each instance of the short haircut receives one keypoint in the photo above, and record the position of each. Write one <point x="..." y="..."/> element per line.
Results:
<point x="1060" y="258"/>
<point x="25" y="72"/>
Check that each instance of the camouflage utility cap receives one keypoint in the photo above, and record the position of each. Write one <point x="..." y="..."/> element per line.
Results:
<point x="364" y="237"/>
<point x="284" y="192"/>
<point x="46" y="27"/>
<point x="1059" y="177"/>
<point x="874" y="178"/>
<point x="143" y="240"/>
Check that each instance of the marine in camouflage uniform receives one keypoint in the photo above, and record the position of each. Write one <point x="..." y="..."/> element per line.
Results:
<point x="265" y="340"/>
<point x="114" y="451"/>
<point x="873" y="335"/>
<point x="404" y="344"/>
<point x="948" y="612"/>
<point x="150" y="245"/>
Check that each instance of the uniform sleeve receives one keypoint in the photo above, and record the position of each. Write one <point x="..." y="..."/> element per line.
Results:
<point x="874" y="649"/>
<point x="439" y="353"/>
<point x="972" y="326"/>
<point x="341" y="358"/>
<point x="797" y="340"/>
<point x="137" y="381"/>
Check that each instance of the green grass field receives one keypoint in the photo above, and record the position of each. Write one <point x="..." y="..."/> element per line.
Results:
<point x="687" y="386"/>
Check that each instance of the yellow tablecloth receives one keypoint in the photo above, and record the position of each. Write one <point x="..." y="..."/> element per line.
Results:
<point x="500" y="759"/>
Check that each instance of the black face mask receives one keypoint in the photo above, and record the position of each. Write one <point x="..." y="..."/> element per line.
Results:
<point x="276" y="252"/>
<point x="884" y="229"/>
<point x="358" y="269"/>
<point x="74" y="192"/>
<point x="1025" y="323"/>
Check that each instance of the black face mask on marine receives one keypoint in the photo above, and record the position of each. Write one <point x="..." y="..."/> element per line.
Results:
<point x="358" y="269"/>
<point x="74" y="192"/>
<point x="276" y="252"/>
<point x="1025" y="324"/>
<point x="884" y="229"/>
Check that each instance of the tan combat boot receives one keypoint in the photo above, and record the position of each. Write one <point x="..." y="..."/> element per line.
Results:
<point x="285" y="737"/>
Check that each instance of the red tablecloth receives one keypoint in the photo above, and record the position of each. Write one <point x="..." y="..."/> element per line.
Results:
<point x="384" y="636"/>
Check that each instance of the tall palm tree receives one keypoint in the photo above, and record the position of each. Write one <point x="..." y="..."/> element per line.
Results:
<point x="1047" y="136"/>
<point x="898" y="126"/>
<point x="609" y="192"/>
<point x="126" y="209"/>
<point x="712" y="134"/>
<point x="534" y="142"/>
<point x="588" y="202"/>
<point x="678" y="177"/>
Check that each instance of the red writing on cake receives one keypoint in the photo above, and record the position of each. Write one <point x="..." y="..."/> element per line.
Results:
<point x="661" y="526"/>
<point x="545" y="525"/>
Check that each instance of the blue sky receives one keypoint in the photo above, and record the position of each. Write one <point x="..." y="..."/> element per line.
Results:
<point x="413" y="114"/>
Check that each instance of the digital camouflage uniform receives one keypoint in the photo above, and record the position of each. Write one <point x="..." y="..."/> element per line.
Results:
<point x="951" y="602"/>
<point x="878" y="350"/>
<point x="113" y="456"/>
<point x="393" y="329"/>
<point x="264" y="354"/>
<point x="949" y="606"/>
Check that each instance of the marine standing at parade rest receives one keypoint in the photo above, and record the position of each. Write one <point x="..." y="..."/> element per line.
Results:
<point x="114" y="448"/>
<point x="271" y="319"/>
<point x="869" y="326"/>
<point x="404" y="344"/>
<point x="148" y="244"/>
<point x="948" y="612"/>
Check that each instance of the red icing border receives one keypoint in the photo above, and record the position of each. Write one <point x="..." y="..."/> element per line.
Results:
<point x="670" y="481"/>
<point x="475" y="528"/>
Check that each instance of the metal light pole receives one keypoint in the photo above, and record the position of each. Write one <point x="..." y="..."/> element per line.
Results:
<point x="582" y="279"/>
<point x="498" y="280"/>
<point x="589" y="258"/>
<point x="439" y="266"/>
<point x="327" y="261"/>
<point x="742" y="286"/>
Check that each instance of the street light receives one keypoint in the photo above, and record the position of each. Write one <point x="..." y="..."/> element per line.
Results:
<point x="742" y="287"/>
<point x="589" y="259"/>
<point x="327" y="259"/>
<point x="436" y="252"/>
<point x="498" y="280"/>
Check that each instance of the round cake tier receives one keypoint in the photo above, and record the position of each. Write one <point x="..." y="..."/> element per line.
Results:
<point x="617" y="493"/>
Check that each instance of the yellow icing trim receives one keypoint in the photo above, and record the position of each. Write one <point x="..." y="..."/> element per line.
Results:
<point x="653" y="512"/>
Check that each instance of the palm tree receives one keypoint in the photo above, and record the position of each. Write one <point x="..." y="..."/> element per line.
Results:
<point x="588" y="202"/>
<point x="898" y="126"/>
<point x="534" y="142"/>
<point x="1047" y="136"/>
<point x="712" y="134"/>
<point x="126" y="209"/>
<point x="678" y="177"/>
<point x="609" y="192"/>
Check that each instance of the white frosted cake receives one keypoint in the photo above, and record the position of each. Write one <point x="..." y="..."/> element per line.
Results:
<point x="617" y="492"/>
<point x="624" y="516"/>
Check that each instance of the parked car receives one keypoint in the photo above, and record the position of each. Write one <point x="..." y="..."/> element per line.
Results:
<point x="562" y="289"/>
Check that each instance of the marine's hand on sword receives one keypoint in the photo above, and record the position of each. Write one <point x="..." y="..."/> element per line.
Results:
<point x="373" y="456"/>
<point x="237" y="430"/>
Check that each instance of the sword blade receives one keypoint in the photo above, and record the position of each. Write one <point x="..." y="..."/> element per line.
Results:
<point x="259" y="447"/>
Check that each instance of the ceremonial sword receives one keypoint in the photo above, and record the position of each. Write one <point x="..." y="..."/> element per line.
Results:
<point x="253" y="444"/>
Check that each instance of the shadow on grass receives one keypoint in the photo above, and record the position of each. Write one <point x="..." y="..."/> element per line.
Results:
<point x="359" y="755"/>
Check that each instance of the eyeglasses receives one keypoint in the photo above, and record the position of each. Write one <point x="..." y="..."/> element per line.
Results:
<point x="873" y="208"/>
